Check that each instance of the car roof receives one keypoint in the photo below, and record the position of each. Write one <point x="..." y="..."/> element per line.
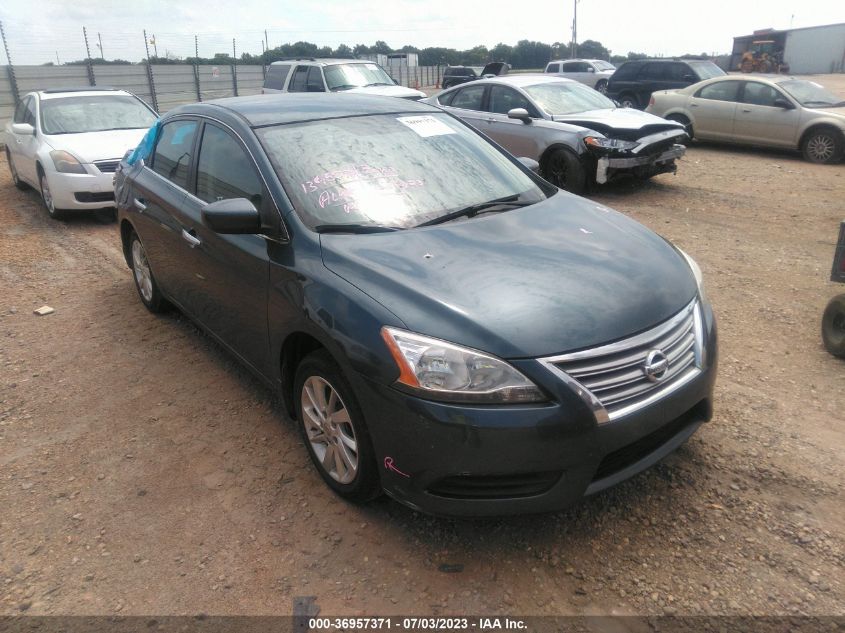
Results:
<point x="524" y="79"/>
<point x="276" y="109"/>
<point x="772" y="78"/>
<point x="577" y="59"/>
<point x="59" y="93"/>
<point x="323" y="61"/>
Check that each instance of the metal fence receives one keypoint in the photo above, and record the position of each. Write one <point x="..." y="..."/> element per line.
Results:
<point x="164" y="86"/>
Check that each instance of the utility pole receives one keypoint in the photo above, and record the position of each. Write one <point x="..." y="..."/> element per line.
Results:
<point x="101" y="46"/>
<point x="196" y="47"/>
<point x="573" y="49"/>
<point x="58" y="63"/>
<point x="87" y="50"/>
<point x="266" y="41"/>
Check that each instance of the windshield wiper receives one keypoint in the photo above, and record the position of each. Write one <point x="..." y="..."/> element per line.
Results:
<point x="354" y="228"/>
<point x="380" y="83"/>
<point x="482" y="207"/>
<point x="343" y="87"/>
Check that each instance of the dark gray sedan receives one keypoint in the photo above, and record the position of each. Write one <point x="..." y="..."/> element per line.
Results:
<point x="578" y="136"/>
<point x="443" y="324"/>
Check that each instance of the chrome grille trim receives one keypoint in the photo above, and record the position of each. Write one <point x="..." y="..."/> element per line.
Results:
<point x="107" y="166"/>
<point x="610" y="378"/>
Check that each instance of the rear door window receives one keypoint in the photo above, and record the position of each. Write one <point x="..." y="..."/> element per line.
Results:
<point x="469" y="98"/>
<point x="652" y="71"/>
<point x="720" y="91"/>
<point x="173" y="152"/>
<point x="553" y="68"/>
<point x="276" y="75"/>
<point x="299" y="81"/>
<point x="224" y="170"/>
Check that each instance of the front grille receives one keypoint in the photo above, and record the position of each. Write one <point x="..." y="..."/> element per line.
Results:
<point x="494" y="486"/>
<point x="88" y="196"/>
<point x="615" y="375"/>
<point x="107" y="166"/>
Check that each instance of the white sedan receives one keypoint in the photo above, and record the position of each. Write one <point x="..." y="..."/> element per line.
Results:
<point x="66" y="144"/>
<point x="764" y="110"/>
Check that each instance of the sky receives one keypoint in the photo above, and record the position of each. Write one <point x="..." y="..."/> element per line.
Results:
<point x="54" y="30"/>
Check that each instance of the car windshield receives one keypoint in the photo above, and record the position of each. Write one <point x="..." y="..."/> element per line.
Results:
<point x="601" y="65"/>
<point x="810" y="94"/>
<point x="565" y="97"/>
<point x="346" y="76"/>
<point x="393" y="170"/>
<point x="707" y="70"/>
<point x="95" y="113"/>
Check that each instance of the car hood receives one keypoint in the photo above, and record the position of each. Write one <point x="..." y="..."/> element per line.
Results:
<point x="557" y="276"/>
<point x="627" y="121"/>
<point x="91" y="146"/>
<point x="839" y="112"/>
<point x="388" y="91"/>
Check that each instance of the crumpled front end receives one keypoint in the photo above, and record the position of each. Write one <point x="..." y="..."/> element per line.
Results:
<point x="643" y="157"/>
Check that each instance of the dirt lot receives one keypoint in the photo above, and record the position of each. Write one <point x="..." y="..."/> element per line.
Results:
<point x="143" y="472"/>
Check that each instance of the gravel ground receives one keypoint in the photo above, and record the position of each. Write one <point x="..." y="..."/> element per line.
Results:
<point x="142" y="471"/>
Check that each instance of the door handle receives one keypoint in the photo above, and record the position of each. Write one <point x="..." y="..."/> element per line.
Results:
<point x="192" y="240"/>
<point x="139" y="204"/>
<point x="693" y="105"/>
<point x="746" y="110"/>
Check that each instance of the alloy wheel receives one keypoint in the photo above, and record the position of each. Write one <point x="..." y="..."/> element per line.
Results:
<point x="47" y="195"/>
<point x="329" y="429"/>
<point x="143" y="275"/>
<point x="820" y="147"/>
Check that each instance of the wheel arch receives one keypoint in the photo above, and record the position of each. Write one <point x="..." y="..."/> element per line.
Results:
<point x="296" y="346"/>
<point x="126" y="230"/>
<point x="820" y="125"/>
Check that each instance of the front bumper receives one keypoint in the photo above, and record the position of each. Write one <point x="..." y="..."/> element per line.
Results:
<point x="651" y="165"/>
<point x="81" y="191"/>
<point x="495" y="460"/>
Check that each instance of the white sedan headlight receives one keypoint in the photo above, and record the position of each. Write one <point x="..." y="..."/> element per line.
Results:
<point x="66" y="163"/>
<point x="439" y="370"/>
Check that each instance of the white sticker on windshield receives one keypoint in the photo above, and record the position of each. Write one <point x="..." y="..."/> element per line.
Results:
<point x="425" y="125"/>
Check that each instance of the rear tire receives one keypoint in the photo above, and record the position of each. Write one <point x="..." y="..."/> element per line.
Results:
<point x="833" y="326"/>
<point x="20" y="184"/>
<point x="629" y="100"/>
<point x="145" y="282"/>
<point x="563" y="169"/>
<point x="823" y="145"/>
<point x="333" y="429"/>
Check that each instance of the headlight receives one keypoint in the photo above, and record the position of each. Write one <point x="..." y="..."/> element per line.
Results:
<point x="439" y="370"/>
<point x="696" y="271"/>
<point x="600" y="142"/>
<point x="66" y="163"/>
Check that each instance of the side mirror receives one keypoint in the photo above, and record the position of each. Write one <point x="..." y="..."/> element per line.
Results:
<point x="24" y="129"/>
<point x="519" y="113"/>
<point x="532" y="164"/>
<point x="590" y="69"/>
<point x="783" y="103"/>
<point x="232" y="216"/>
<point x="487" y="76"/>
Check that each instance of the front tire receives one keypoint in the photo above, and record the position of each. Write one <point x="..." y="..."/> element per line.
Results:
<point x="823" y="145"/>
<point x="601" y="86"/>
<point x="563" y="169"/>
<point x="145" y="282"/>
<point x="833" y="326"/>
<point x="20" y="184"/>
<point x="47" y="196"/>
<point x="333" y="429"/>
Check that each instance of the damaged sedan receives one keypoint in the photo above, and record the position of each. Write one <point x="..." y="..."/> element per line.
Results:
<point x="578" y="136"/>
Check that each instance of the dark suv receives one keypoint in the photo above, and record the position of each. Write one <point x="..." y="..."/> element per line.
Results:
<point x="455" y="75"/>
<point x="633" y="82"/>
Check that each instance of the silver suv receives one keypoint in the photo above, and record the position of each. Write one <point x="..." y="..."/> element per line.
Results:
<point x="309" y="74"/>
<point x="592" y="72"/>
